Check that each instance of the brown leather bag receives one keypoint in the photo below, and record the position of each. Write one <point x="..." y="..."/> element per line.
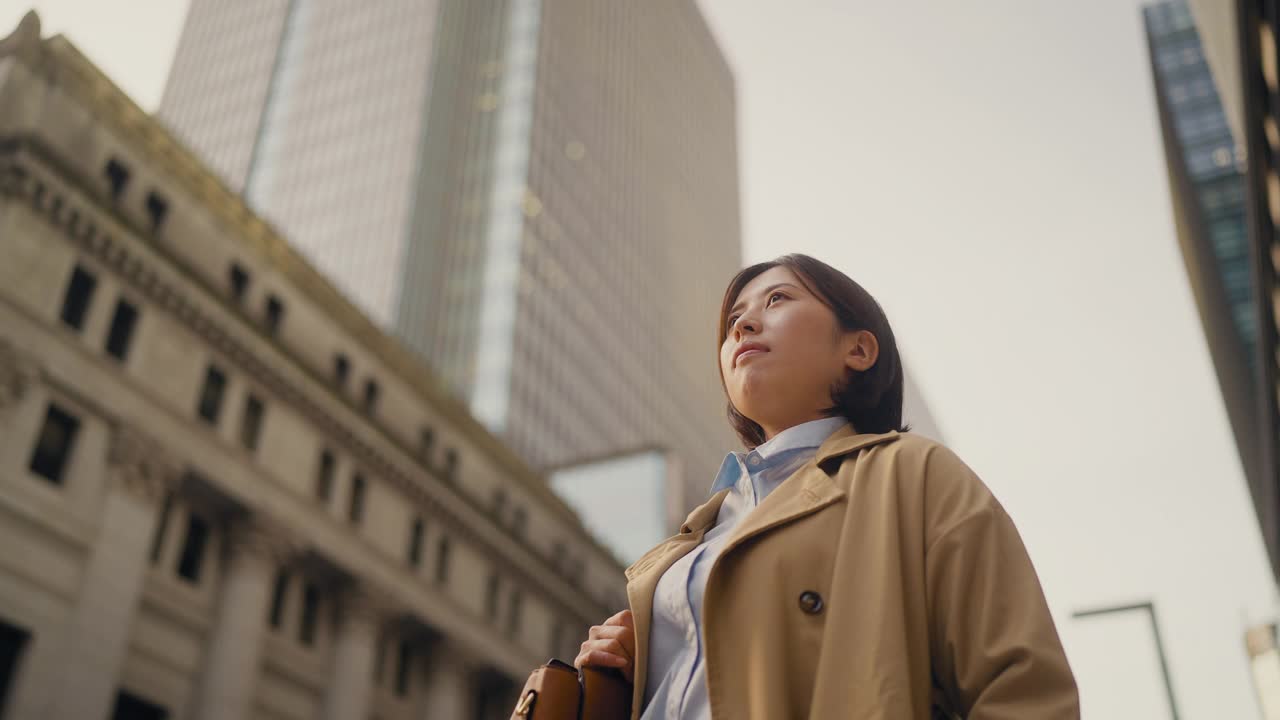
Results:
<point x="557" y="691"/>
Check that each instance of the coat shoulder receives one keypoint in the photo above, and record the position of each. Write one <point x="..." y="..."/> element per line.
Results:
<point x="925" y="469"/>
<point x="917" y="457"/>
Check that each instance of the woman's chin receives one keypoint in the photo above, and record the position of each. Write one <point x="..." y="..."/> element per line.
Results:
<point x="753" y="385"/>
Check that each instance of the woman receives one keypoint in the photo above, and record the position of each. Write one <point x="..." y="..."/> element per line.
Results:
<point x="841" y="568"/>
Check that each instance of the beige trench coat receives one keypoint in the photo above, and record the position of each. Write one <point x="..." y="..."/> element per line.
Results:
<point x="880" y="580"/>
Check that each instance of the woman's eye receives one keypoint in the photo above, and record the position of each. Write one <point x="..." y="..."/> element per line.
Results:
<point x="775" y="295"/>
<point x="732" y="319"/>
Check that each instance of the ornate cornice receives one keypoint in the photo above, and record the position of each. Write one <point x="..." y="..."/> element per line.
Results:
<point x="138" y="465"/>
<point x="18" y="372"/>
<point x="22" y="174"/>
<point x="24" y="42"/>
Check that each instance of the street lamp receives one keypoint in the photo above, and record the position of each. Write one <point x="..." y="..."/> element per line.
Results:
<point x="1150" y="610"/>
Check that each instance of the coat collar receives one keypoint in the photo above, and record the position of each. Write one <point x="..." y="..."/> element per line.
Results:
<point x="845" y="441"/>
<point x="705" y="514"/>
<point x="840" y="443"/>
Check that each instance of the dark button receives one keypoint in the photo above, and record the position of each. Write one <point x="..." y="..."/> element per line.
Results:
<point x="811" y="602"/>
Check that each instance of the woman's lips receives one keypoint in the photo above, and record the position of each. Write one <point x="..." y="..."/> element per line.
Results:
<point x="749" y="353"/>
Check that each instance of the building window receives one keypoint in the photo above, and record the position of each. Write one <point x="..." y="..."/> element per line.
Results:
<point x="13" y="641"/>
<point x="450" y="465"/>
<point x="278" y="595"/>
<point x="239" y="278"/>
<point x="404" y="662"/>
<point x="122" y="324"/>
<point x="75" y="303"/>
<point x="341" y="369"/>
<point x="192" y="558"/>
<point x="162" y="527"/>
<point x="215" y="384"/>
<point x="310" y="615"/>
<point x="54" y="444"/>
<point x="370" y="396"/>
<point x="426" y="438"/>
<point x="157" y="210"/>
<point x="415" y="543"/>
<point x="513" y="613"/>
<point x="251" y="422"/>
<point x="491" y="597"/>
<point x="275" y="313"/>
<point x="442" y="561"/>
<point x="117" y="177"/>
<point x="355" y="511"/>
<point x="324" y="476"/>
<point x="131" y="707"/>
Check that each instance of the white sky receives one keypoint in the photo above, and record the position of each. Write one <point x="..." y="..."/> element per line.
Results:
<point x="992" y="172"/>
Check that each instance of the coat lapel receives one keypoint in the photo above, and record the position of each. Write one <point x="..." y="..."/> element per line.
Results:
<point x="805" y="492"/>
<point x="808" y="490"/>
<point x="643" y="577"/>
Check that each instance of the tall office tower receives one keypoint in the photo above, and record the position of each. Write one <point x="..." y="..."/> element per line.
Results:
<point x="1206" y="180"/>
<point x="544" y="205"/>
<point x="312" y="110"/>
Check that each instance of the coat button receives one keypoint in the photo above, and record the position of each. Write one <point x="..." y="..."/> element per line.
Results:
<point x="811" y="602"/>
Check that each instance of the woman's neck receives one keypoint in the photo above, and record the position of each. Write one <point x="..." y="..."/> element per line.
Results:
<point x="772" y="432"/>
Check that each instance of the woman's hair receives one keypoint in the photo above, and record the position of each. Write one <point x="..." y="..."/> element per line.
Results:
<point x="871" y="399"/>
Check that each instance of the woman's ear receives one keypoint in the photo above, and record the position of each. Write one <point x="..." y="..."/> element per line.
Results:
<point x="863" y="352"/>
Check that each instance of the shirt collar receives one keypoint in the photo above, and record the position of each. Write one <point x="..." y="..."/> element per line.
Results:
<point x="798" y="437"/>
<point x="805" y="436"/>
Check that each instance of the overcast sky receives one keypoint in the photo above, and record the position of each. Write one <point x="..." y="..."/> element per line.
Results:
<point x="991" y="170"/>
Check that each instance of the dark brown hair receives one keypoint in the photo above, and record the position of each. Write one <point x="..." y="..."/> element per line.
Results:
<point x="871" y="399"/>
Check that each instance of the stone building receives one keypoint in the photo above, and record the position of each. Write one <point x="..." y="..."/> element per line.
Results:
<point x="224" y="493"/>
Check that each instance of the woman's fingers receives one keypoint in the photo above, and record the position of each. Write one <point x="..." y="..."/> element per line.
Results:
<point x="622" y="619"/>
<point x="605" y="652"/>
<point x="611" y="645"/>
<point x="624" y="635"/>
<point x="600" y="658"/>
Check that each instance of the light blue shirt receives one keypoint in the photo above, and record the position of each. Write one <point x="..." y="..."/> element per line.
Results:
<point x="677" y="678"/>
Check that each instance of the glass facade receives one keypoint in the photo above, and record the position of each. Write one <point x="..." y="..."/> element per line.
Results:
<point x="312" y="109"/>
<point x="1211" y="156"/>
<point x="540" y="197"/>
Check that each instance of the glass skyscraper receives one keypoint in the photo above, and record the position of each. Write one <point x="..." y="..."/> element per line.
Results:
<point x="1207" y="180"/>
<point x="540" y="197"/>
<point x="1209" y="153"/>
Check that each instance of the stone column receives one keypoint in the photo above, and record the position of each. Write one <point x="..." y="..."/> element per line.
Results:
<point x="96" y="635"/>
<point x="350" y="686"/>
<point x="231" y="665"/>
<point x="449" y="685"/>
<point x="18" y="371"/>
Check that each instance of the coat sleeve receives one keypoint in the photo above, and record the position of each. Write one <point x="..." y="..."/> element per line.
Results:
<point x="995" y="651"/>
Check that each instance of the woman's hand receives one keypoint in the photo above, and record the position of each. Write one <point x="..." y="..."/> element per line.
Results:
<point x="611" y="645"/>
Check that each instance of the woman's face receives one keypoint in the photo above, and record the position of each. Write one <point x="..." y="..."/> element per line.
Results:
<point x="784" y="351"/>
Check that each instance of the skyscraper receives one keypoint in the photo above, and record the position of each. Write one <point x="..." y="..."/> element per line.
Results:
<point x="540" y="197"/>
<point x="311" y="109"/>
<point x="1207" y="182"/>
